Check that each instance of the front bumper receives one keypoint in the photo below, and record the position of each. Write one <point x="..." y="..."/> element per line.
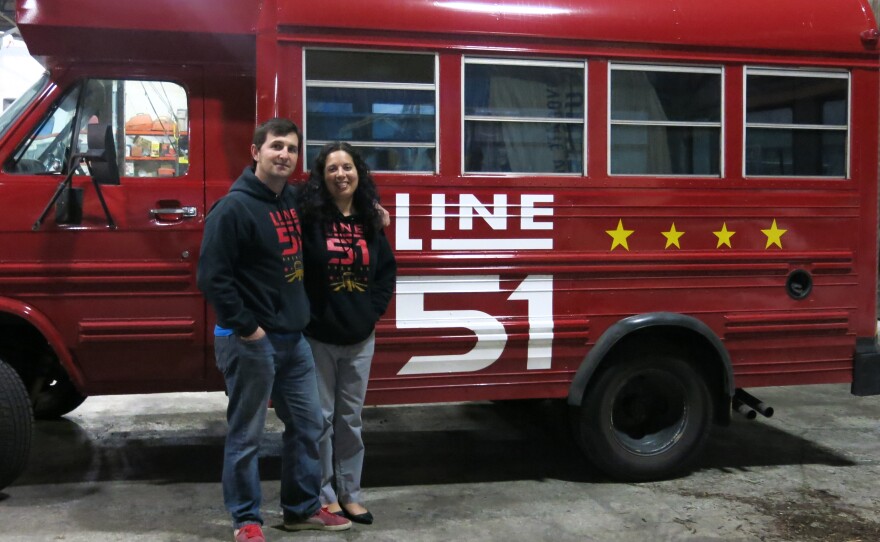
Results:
<point x="866" y="368"/>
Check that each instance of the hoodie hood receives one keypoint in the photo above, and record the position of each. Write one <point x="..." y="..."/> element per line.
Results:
<point x="250" y="184"/>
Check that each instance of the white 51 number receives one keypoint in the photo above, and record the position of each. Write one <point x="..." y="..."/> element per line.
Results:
<point x="537" y="290"/>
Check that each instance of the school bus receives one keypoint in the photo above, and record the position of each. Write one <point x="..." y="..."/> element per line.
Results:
<point x="641" y="208"/>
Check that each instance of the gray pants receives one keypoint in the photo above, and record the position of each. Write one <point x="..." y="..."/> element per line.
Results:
<point x="342" y="384"/>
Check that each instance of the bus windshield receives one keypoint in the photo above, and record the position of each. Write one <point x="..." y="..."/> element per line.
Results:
<point x="19" y="105"/>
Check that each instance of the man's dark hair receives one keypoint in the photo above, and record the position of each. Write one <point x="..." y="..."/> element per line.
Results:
<point x="278" y="126"/>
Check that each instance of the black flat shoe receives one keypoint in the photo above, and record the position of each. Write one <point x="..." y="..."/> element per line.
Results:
<point x="366" y="518"/>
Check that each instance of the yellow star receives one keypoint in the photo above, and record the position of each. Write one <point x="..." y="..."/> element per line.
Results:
<point x="723" y="236"/>
<point x="619" y="235"/>
<point x="774" y="235"/>
<point x="672" y="236"/>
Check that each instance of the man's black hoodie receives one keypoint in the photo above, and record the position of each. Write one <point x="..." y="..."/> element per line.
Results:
<point x="251" y="265"/>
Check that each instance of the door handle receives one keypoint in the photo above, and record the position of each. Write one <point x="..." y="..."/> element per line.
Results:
<point x="174" y="213"/>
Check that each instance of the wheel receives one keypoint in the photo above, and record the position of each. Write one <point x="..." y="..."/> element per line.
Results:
<point x="645" y="418"/>
<point x="16" y="425"/>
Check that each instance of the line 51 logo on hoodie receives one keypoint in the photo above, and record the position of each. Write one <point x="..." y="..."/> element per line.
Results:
<point x="348" y="264"/>
<point x="286" y="224"/>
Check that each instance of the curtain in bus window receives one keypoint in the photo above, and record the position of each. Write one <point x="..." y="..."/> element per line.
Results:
<point x="530" y="146"/>
<point x="523" y="118"/>
<point x="665" y="122"/>
<point x="637" y="149"/>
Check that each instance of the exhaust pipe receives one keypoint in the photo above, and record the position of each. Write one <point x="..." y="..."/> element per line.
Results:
<point x="744" y="409"/>
<point x="753" y="402"/>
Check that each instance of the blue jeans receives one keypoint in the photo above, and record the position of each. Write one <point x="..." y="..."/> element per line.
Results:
<point x="280" y="367"/>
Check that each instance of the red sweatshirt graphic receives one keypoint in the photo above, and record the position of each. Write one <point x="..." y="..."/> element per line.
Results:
<point x="287" y="225"/>
<point x="348" y="265"/>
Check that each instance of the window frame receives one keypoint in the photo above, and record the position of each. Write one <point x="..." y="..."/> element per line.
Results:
<point x="178" y="155"/>
<point x="798" y="72"/>
<point x="120" y="134"/>
<point x="531" y="62"/>
<point x="320" y="83"/>
<point x="22" y="147"/>
<point x="718" y="69"/>
<point x="9" y="115"/>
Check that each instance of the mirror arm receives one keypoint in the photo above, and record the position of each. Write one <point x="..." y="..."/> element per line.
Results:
<point x="101" y="152"/>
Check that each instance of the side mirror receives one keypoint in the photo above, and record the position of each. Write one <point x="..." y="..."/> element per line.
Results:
<point x="101" y="159"/>
<point x="101" y="154"/>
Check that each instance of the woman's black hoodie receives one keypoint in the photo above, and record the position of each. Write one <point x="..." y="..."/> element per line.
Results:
<point x="349" y="279"/>
<point x="251" y="263"/>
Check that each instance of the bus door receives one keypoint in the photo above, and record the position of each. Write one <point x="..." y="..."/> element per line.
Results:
<point x="112" y="265"/>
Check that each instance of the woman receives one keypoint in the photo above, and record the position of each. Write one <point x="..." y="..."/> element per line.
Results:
<point x="350" y="274"/>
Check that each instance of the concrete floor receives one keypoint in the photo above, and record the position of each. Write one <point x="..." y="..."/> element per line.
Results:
<point x="147" y="468"/>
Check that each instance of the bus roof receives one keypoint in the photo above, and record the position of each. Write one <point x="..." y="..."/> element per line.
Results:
<point x="210" y="28"/>
<point x="165" y="30"/>
<point x="793" y="25"/>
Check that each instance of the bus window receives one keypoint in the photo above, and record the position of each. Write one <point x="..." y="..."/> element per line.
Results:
<point x="523" y="116"/>
<point x="382" y="103"/>
<point x="796" y="123"/>
<point x="47" y="150"/>
<point x="665" y="120"/>
<point x="148" y="144"/>
<point x="13" y="110"/>
<point x="156" y="129"/>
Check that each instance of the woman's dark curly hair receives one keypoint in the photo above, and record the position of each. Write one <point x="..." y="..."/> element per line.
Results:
<point x="317" y="203"/>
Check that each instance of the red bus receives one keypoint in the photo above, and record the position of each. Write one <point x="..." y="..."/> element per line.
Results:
<point x="641" y="208"/>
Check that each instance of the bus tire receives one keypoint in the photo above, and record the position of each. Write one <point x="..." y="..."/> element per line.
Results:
<point x="645" y="418"/>
<point x="16" y="425"/>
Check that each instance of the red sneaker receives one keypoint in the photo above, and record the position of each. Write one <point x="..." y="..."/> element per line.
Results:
<point x="322" y="520"/>
<point x="249" y="533"/>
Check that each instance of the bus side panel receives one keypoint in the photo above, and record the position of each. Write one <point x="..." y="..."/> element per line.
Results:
<point x="525" y="320"/>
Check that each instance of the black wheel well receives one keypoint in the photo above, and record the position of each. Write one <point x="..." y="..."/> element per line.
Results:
<point x="680" y="342"/>
<point x="23" y="347"/>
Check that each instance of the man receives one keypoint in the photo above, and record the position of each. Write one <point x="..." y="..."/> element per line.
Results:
<point x="250" y="270"/>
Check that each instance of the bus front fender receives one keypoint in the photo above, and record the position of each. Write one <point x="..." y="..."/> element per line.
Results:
<point x="42" y="324"/>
